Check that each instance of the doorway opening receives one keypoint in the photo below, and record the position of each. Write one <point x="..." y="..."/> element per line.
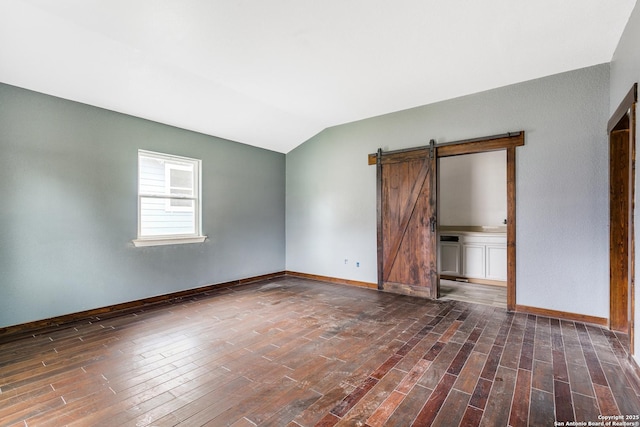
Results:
<point x="406" y="211"/>
<point x="621" y="129"/>
<point x="472" y="230"/>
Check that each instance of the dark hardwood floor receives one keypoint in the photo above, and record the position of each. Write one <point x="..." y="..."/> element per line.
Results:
<point x="302" y="353"/>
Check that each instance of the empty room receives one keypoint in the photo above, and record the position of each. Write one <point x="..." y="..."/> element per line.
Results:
<point x="336" y="213"/>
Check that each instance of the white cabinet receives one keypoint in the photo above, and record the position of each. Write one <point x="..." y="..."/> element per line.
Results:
<point x="473" y="255"/>
<point x="496" y="262"/>
<point x="473" y="260"/>
<point x="449" y="258"/>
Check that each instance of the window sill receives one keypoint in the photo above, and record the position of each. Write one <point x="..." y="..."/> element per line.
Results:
<point x="167" y="241"/>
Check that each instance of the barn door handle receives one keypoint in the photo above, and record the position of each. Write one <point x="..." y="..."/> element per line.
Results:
<point x="433" y="224"/>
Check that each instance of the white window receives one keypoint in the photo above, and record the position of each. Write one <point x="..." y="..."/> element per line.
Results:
<point x="168" y="200"/>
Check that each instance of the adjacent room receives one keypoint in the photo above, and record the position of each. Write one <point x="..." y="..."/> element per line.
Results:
<point x="472" y="212"/>
<point x="274" y="213"/>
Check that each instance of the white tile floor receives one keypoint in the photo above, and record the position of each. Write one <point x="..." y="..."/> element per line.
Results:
<point x="471" y="292"/>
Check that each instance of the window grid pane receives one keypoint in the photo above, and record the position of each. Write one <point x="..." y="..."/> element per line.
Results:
<point x="156" y="220"/>
<point x="168" y="196"/>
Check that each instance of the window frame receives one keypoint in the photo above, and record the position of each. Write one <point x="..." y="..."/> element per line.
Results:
<point x="171" y="239"/>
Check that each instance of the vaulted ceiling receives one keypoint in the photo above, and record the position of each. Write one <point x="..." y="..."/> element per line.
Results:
<point x="273" y="73"/>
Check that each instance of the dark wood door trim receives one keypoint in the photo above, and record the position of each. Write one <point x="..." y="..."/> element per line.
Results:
<point x="482" y="145"/>
<point x="627" y="102"/>
<point x="454" y="148"/>
<point x="632" y="242"/>
<point x="380" y="240"/>
<point x="511" y="228"/>
<point x="619" y="220"/>
<point x="622" y="133"/>
<point x="507" y="142"/>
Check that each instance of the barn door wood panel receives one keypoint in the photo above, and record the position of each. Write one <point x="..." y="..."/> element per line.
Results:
<point x="407" y="222"/>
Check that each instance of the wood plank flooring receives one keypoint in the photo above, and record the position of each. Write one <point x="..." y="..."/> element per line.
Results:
<point x="295" y="352"/>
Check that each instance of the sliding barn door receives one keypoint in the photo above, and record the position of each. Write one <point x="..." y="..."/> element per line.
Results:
<point x="407" y="237"/>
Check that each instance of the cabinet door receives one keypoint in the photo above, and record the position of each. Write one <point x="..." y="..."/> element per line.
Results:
<point x="473" y="260"/>
<point x="449" y="258"/>
<point x="497" y="262"/>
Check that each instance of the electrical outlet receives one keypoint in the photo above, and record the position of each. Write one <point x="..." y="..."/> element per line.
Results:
<point x="358" y="264"/>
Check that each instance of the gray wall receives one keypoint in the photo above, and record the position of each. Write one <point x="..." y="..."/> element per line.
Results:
<point x="68" y="192"/>
<point x="562" y="185"/>
<point x="472" y="189"/>
<point x="625" y="71"/>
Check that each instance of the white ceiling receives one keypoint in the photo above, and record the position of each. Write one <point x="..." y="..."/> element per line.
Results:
<point x="273" y="73"/>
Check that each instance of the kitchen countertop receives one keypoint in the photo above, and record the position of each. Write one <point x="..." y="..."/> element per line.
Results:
<point x="471" y="229"/>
